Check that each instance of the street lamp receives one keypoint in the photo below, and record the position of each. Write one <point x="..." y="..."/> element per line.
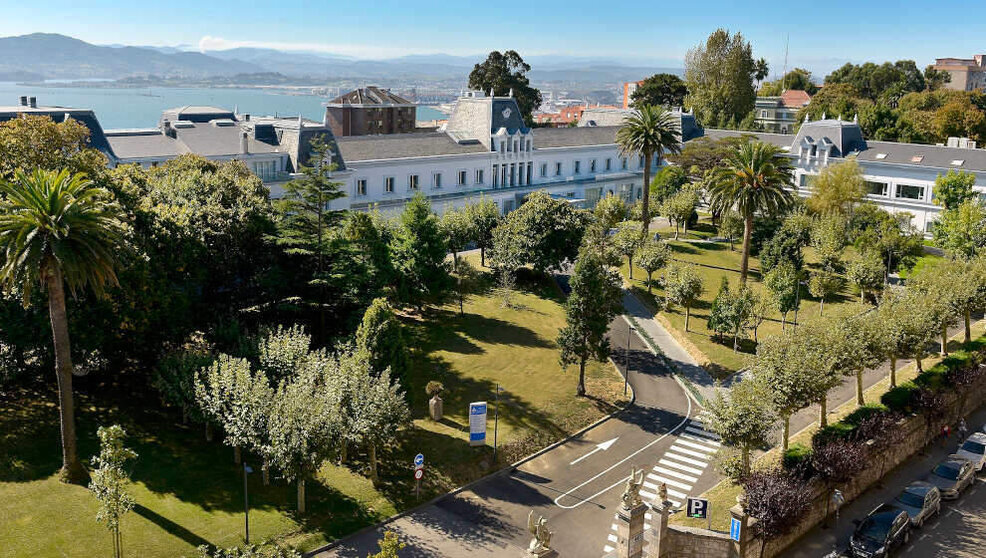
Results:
<point x="626" y="373"/>
<point x="246" y="501"/>
<point x="496" y="420"/>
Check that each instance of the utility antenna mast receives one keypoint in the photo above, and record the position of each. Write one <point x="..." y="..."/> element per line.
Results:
<point x="787" y="43"/>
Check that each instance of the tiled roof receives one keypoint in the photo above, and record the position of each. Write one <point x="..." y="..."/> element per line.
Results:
<point x="398" y="146"/>
<point x="574" y="137"/>
<point x="794" y="98"/>
<point x="369" y="95"/>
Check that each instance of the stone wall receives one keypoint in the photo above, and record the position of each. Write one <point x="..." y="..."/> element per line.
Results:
<point x="691" y="542"/>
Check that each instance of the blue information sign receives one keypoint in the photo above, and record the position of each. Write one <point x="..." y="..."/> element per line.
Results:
<point x="477" y="423"/>
<point x="419" y="460"/>
<point x="734" y="529"/>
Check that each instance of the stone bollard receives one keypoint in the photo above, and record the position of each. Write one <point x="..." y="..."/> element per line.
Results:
<point x="658" y="542"/>
<point x="738" y="513"/>
<point x="630" y="531"/>
<point x="435" y="408"/>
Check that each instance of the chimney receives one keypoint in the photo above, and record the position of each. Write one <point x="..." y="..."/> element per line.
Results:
<point x="246" y="117"/>
<point x="168" y="130"/>
<point x="23" y="100"/>
<point x="244" y="143"/>
<point x="33" y="101"/>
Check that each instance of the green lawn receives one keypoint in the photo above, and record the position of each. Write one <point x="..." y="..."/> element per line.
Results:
<point x="189" y="492"/>
<point x="714" y="261"/>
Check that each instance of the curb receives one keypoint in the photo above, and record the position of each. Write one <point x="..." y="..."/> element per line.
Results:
<point x="498" y="473"/>
<point x="690" y="388"/>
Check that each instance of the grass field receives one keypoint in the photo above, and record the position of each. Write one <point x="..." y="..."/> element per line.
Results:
<point x="189" y="492"/>
<point x="714" y="260"/>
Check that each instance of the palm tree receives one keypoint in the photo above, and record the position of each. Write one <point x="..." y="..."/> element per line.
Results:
<point x="753" y="179"/>
<point x="59" y="229"/>
<point x="648" y="131"/>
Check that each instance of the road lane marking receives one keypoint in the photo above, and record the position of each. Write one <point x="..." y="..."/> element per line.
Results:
<point x="676" y="474"/>
<point x="699" y="439"/>
<point x="700" y="447"/>
<point x="599" y="447"/>
<point x="685" y="468"/>
<point x="685" y="451"/>
<point x="684" y="459"/>
<point x="669" y="482"/>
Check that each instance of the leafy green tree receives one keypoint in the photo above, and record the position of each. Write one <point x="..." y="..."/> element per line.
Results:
<point x="59" y="229"/>
<point x="266" y="550"/>
<point x="378" y="409"/>
<point x="785" y="247"/>
<point x="754" y="179"/>
<point x="797" y="79"/>
<point x="761" y="69"/>
<point x="380" y="338"/>
<point x="31" y="142"/>
<point x="627" y="241"/>
<point x="668" y="181"/>
<point x="108" y="481"/>
<point x="596" y="298"/>
<point x="783" y="281"/>
<point x="953" y="189"/>
<point x="866" y="274"/>
<point x="787" y="366"/>
<point x="852" y="346"/>
<point x="648" y="132"/>
<point x="543" y="232"/>
<point x="941" y="286"/>
<point x="665" y="90"/>
<point x="823" y="284"/>
<point x="719" y="75"/>
<point x="503" y="73"/>
<point x="961" y="231"/>
<point x="935" y="79"/>
<point x="730" y="226"/>
<point x="892" y="235"/>
<point x="829" y="236"/>
<point x="679" y="208"/>
<point x="741" y="419"/>
<point x="390" y="545"/>
<point x="174" y="376"/>
<point x="419" y="252"/>
<point x="682" y="286"/>
<point x="367" y="248"/>
<point x="838" y="188"/>
<point x="873" y="80"/>
<point x="238" y="399"/>
<point x="457" y="228"/>
<point x="763" y="304"/>
<point x="905" y="327"/>
<point x="652" y="256"/>
<point x="484" y="216"/>
<point x="610" y="211"/>
<point x="720" y="314"/>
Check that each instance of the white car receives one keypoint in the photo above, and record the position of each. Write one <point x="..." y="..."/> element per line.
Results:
<point x="974" y="449"/>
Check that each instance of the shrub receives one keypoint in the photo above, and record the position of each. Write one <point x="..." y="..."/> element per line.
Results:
<point x="797" y="461"/>
<point x="862" y="414"/>
<point x="434" y="388"/>
<point x="777" y="500"/>
<point x="836" y="431"/>
<point x="901" y="397"/>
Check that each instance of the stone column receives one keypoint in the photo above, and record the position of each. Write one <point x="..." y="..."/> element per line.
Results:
<point x="738" y="513"/>
<point x="630" y="531"/>
<point x="658" y="541"/>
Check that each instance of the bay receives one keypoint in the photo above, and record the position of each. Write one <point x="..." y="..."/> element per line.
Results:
<point x="141" y="108"/>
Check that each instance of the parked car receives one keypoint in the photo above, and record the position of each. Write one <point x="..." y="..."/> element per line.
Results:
<point x="952" y="476"/>
<point x="974" y="449"/>
<point x="920" y="500"/>
<point x="883" y="530"/>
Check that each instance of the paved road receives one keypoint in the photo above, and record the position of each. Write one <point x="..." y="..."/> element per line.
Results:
<point x="575" y="487"/>
<point x="960" y="532"/>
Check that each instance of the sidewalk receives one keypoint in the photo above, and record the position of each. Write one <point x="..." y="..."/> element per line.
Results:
<point x="685" y="366"/>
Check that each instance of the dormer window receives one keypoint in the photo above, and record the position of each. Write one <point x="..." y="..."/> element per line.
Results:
<point x="880" y="156"/>
<point x="917" y="158"/>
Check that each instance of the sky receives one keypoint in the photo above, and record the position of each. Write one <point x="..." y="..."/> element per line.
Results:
<point x="635" y="32"/>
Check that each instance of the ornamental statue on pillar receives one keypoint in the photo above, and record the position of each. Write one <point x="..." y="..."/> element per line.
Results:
<point x="540" y="546"/>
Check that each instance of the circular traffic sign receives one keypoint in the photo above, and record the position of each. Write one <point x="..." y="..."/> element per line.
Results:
<point x="419" y="459"/>
<point x="418" y="474"/>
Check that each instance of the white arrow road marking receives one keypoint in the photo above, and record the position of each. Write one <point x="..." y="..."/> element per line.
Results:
<point x="599" y="447"/>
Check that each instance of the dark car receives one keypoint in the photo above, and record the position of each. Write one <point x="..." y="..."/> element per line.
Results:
<point x="952" y="476"/>
<point x="885" y="529"/>
<point x="920" y="500"/>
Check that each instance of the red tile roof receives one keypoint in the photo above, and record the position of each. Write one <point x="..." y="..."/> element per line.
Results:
<point x="794" y="98"/>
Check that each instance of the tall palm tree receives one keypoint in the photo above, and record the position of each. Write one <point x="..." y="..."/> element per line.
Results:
<point x="648" y="131"/>
<point x="59" y="229"/>
<point x="753" y="179"/>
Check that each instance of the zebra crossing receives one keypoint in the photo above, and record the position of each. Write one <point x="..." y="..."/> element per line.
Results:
<point x="679" y="469"/>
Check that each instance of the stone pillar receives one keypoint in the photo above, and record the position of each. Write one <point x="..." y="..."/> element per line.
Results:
<point x="630" y="531"/>
<point x="658" y="540"/>
<point x="738" y="513"/>
<point x="435" y="408"/>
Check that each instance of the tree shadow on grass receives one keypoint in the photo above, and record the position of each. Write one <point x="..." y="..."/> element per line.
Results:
<point x="170" y="526"/>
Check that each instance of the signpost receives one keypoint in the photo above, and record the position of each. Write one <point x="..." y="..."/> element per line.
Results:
<point x="246" y="502"/>
<point x="477" y="423"/>
<point x="734" y="529"/>
<point x="698" y="508"/>
<point x="419" y="473"/>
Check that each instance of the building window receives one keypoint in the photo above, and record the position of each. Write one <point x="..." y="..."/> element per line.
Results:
<point x="609" y="164"/>
<point x="906" y="191"/>
<point x="578" y="167"/>
<point x="502" y="147"/>
<point x="530" y="171"/>
<point x="808" y="180"/>
<point x="557" y="169"/>
<point x="640" y="163"/>
<point x="496" y="175"/>
<point x="361" y="187"/>
<point x="874" y="188"/>
<point x="763" y="114"/>
<point x="528" y="145"/>
<point x="479" y="176"/>
<point x="544" y="170"/>
<point x="929" y="226"/>
<point x="623" y="163"/>
<point x="463" y="175"/>
<point x="436" y="180"/>
<point x="503" y="175"/>
<point x="592" y="166"/>
<point x="388" y="185"/>
<point x="413" y="182"/>
<point x="513" y="174"/>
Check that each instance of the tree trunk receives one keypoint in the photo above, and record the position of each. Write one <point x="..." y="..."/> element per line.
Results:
<point x="649" y="274"/>
<point x="301" y="495"/>
<point x="373" y="465"/>
<point x="265" y="472"/>
<point x="823" y="418"/>
<point x="630" y="265"/>
<point x="72" y="470"/>
<point x="747" y="235"/>
<point x="237" y="455"/>
<point x="688" y="313"/>
<point x="645" y="212"/>
<point x="482" y="256"/>
<point x="918" y="358"/>
<point x="455" y="260"/>
<point x="208" y="430"/>
<point x="580" y="390"/>
<point x="735" y="339"/>
<point x="786" y="440"/>
<point x="968" y="326"/>
<point x="343" y="453"/>
<point x="745" y="460"/>
<point x="893" y="371"/>
<point x="859" y="388"/>
<point x="821" y="306"/>
<point x="783" y="321"/>
<point x="944" y="340"/>
<point x="676" y="229"/>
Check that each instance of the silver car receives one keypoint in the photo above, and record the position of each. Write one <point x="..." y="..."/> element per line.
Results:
<point x="974" y="449"/>
<point x="953" y="475"/>
<point x="921" y="500"/>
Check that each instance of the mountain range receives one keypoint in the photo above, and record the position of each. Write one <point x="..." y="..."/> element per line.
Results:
<point x="54" y="56"/>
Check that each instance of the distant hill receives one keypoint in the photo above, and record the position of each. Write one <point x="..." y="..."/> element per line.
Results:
<point x="59" y="57"/>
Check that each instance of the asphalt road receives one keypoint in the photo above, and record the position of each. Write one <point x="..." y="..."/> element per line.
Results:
<point x="960" y="532"/>
<point x="576" y="486"/>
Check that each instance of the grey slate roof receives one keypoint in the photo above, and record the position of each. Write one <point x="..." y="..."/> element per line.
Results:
<point x="780" y="140"/>
<point x="512" y="121"/>
<point x="845" y="136"/>
<point x="573" y="137"/>
<point x="141" y="145"/>
<point x="931" y="155"/>
<point x="397" y="146"/>
<point x="97" y="138"/>
<point x="370" y="95"/>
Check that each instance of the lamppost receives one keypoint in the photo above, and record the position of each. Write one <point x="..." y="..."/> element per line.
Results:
<point x="496" y="420"/>
<point x="626" y="373"/>
<point x="246" y="501"/>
